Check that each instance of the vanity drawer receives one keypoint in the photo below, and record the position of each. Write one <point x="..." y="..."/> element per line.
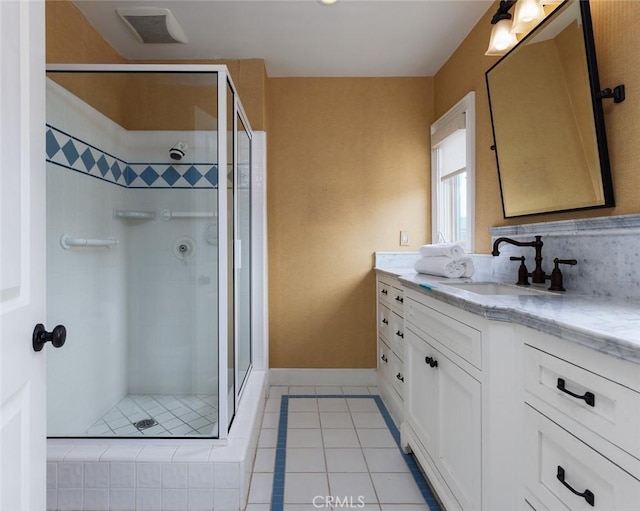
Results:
<point x="384" y="359"/>
<point x="549" y="449"/>
<point x="384" y="292"/>
<point x="384" y="321"/>
<point x="397" y="374"/>
<point x="459" y="338"/>
<point x="610" y="410"/>
<point x="396" y="333"/>
<point x="397" y="300"/>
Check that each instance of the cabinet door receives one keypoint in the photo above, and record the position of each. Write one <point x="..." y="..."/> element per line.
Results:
<point x="421" y="392"/>
<point x="443" y="408"/>
<point x="459" y="441"/>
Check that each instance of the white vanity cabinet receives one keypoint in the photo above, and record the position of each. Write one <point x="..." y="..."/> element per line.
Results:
<point x="582" y="427"/>
<point x="461" y="404"/>
<point x="390" y="312"/>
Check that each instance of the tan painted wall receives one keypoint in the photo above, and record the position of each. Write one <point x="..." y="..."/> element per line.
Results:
<point x="348" y="167"/>
<point x="617" y="45"/>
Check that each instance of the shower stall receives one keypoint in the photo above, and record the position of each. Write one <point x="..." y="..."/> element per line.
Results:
<point x="149" y="250"/>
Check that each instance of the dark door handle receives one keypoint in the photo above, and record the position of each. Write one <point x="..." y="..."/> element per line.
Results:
<point x="40" y="337"/>
<point x="587" y="494"/>
<point x="588" y="397"/>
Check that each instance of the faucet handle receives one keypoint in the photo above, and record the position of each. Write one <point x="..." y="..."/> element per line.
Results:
<point x="556" y="274"/>
<point x="523" y="273"/>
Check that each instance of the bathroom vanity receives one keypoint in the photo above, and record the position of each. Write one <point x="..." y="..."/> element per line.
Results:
<point x="521" y="400"/>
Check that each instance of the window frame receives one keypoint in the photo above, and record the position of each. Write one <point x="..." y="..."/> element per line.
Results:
<point x="466" y="107"/>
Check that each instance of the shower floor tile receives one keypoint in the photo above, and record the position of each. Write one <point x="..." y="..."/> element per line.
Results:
<point x="175" y="415"/>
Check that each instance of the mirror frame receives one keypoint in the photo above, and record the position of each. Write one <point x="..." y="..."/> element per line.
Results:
<point x="596" y="101"/>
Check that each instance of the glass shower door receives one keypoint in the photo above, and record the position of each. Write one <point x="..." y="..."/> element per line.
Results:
<point x="132" y="252"/>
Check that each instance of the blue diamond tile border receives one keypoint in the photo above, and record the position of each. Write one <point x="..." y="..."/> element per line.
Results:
<point x="70" y="152"/>
<point x="277" y="498"/>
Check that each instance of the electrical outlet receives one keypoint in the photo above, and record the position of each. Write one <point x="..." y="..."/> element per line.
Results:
<point x="404" y="238"/>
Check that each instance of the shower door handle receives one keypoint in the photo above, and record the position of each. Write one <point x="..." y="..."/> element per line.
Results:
<point x="40" y="337"/>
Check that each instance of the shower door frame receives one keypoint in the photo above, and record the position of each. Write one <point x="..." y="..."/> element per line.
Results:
<point x="223" y="78"/>
<point x="239" y="112"/>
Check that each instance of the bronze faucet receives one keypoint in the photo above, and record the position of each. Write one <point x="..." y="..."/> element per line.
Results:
<point x="537" y="276"/>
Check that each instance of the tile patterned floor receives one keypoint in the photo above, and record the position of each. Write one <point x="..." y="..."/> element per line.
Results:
<point x="318" y="443"/>
<point x="176" y="415"/>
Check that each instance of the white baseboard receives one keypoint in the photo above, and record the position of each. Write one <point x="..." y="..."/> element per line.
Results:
<point x="322" y="377"/>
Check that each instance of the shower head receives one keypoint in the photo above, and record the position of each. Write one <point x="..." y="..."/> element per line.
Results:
<point x="177" y="152"/>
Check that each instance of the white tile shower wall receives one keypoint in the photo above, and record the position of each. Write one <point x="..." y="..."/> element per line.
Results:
<point x="607" y="250"/>
<point x="86" y="287"/>
<point x="172" y="302"/>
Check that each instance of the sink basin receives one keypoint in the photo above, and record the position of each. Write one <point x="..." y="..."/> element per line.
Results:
<point x="496" y="288"/>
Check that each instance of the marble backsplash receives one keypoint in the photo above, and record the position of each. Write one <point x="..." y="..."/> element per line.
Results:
<point x="607" y="250"/>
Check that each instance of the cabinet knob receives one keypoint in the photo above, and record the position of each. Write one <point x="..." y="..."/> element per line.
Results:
<point x="384" y="292"/>
<point x="400" y="334"/>
<point x="432" y="362"/>
<point x="384" y="359"/>
<point x="400" y="377"/>
<point x="385" y="321"/>
<point x="587" y="494"/>
<point x="399" y="299"/>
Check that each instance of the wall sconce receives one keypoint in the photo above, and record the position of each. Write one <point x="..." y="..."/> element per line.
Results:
<point x="528" y="13"/>
<point x="502" y="39"/>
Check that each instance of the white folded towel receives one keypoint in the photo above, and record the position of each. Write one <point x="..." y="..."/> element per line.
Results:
<point x="452" y="250"/>
<point x="469" y="269"/>
<point x="440" y="266"/>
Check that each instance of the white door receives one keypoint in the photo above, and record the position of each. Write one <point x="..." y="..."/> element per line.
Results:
<point x="22" y="255"/>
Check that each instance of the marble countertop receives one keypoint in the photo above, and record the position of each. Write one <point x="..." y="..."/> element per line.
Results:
<point x="608" y="326"/>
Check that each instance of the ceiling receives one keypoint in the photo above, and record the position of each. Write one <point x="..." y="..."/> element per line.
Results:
<point x="304" y="37"/>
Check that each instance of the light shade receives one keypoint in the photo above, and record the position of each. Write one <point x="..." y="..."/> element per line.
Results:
<point x="502" y="40"/>
<point x="527" y="15"/>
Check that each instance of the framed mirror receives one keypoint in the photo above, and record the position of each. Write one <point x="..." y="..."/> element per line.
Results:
<point x="547" y="119"/>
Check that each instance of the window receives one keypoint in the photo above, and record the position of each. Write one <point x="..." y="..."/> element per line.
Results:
<point x="453" y="175"/>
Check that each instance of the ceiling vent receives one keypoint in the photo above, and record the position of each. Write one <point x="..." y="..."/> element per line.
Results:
<point x="153" y="25"/>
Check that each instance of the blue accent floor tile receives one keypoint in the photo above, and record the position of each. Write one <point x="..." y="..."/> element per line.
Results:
<point x="279" y="478"/>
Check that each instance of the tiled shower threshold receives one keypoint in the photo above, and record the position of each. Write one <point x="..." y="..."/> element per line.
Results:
<point x="151" y="474"/>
